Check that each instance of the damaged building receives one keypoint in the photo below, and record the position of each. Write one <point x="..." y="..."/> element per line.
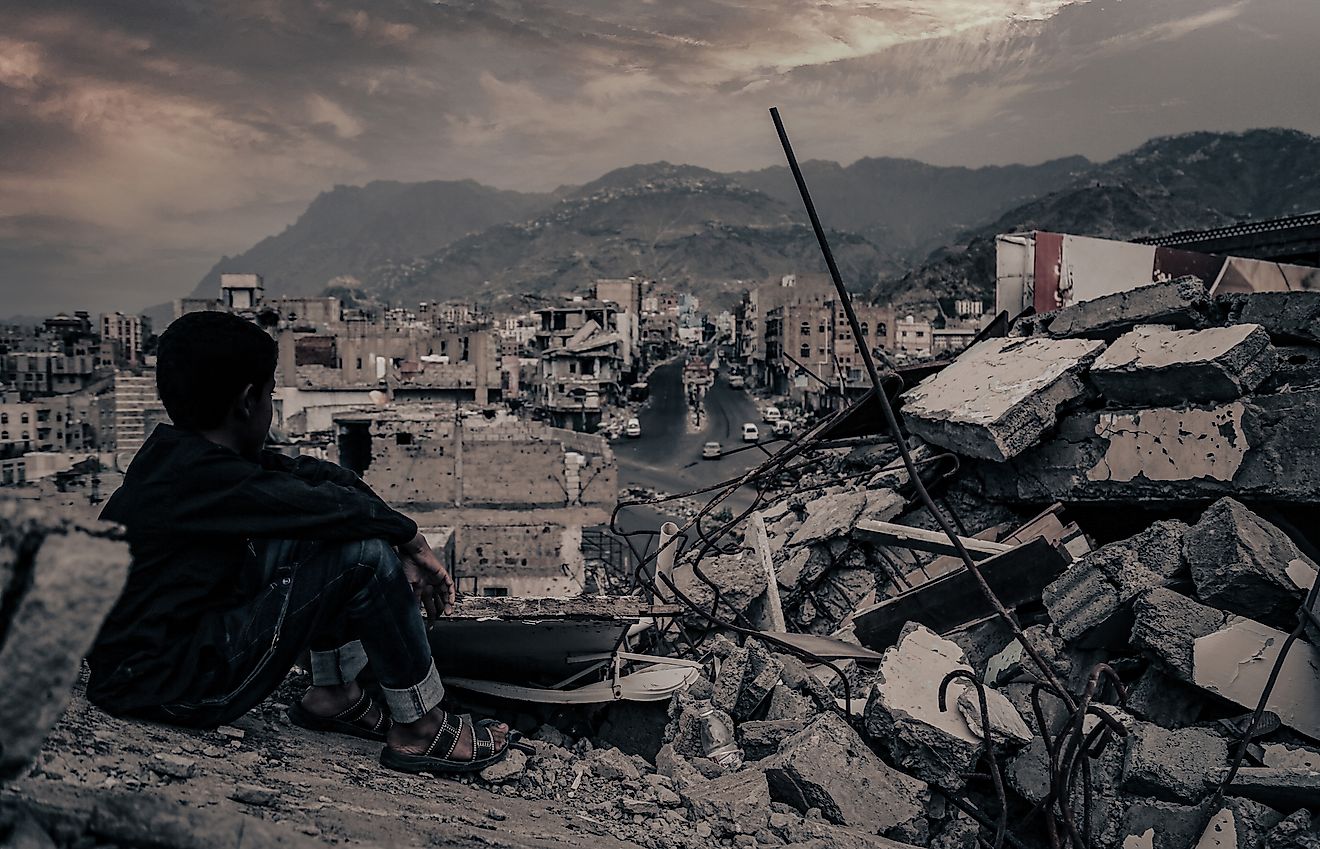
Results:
<point x="517" y="497"/>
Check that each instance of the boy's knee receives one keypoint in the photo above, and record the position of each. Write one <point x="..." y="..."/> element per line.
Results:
<point x="378" y="555"/>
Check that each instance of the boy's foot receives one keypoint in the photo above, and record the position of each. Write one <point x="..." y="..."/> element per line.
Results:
<point x="343" y="709"/>
<point x="442" y="742"/>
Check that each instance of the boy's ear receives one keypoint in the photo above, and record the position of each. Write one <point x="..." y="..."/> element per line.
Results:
<point x="245" y="405"/>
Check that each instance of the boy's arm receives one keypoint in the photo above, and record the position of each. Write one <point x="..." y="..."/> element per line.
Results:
<point x="314" y="470"/>
<point x="227" y="495"/>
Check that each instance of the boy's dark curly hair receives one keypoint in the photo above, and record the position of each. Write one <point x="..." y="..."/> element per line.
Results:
<point x="204" y="360"/>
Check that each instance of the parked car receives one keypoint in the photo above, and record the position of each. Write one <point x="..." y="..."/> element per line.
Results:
<point x="711" y="451"/>
<point x="771" y="414"/>
<point x="783" y="427"/>
<point x="737" y="381"/>
<point x="632" y="428"/>
<point x="750" y="432"/>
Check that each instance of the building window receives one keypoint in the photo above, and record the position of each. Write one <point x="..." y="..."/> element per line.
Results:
<point x="4" y="434"/>
<point x="806" y="328"/>
<point x="4" y="418"/>
<point x="403" y="439"/>
<point x="495" y="592"/>
<point x="25" y="418"/>
<point x="359" y="363"/>
<point x="806" y="351"/>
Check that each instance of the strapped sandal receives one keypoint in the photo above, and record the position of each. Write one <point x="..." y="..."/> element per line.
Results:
<point x="484" y="749"/>
<point x="351" y="721"/>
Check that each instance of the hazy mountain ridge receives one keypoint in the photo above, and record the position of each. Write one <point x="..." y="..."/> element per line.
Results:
<point x="706" y="231"/>
<point x="1186" y="182"/>
<point x="351" y="230"/>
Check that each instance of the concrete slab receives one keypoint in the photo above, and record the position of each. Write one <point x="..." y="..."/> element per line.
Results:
<point x="1167" y="626"/>
<point x="1181" y="765"/>
<point x="1180" y="303"/>
<point x="1235" y="663"/>
<point x="830" y="516"/>
<point x="1000" y="396"/>
<point x="1160" y="365"/>
<point x="1261" y="446"/>
<point x="1285" y="789"/>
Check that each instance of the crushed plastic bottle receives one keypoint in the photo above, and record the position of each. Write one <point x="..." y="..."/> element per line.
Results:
<point x="717" y="739"/>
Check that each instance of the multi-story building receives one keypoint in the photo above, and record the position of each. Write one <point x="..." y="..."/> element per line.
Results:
<point x="126" y="333"/>
<point x="914" y="338"/>
<point x="136" y="412"/>
<point x="811" y="353"/>
<point x="582" y="362"/>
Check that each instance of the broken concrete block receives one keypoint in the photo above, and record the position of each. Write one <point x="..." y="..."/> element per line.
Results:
<point x="999" y="397"/>
<point x="788" y="705"/>
<point x="1163" y="700"/>
<point x="1296" y="831"/>
<point x="1182" y="765"/>
<point x="1178" y="303"/>
<point x="804" y="566"/>
<point x="1028" y="772"/>
<point x="1239" y="824"/>
<point x="741" y="581"/>
<point x="1284" y="789"/>
<point x="63" y="581"/>
<point x="1235" y="661"/>
<point x="745" y="680"/>
<point x="829" y="517"/>
<point x="1167" y="625"/>
<point x="828" y="767"/>
<point x="1257" y="446"/>
<point x="1153" y="824"/>
<point x="1153" y="365"/>
<point x="760" y="739"/>
<point x="1243" y="564"/>
<point x="903" y="716"/>
<point x="1090" y="608"/>
<point x="737" y="803"/>
<point x="1293" y="316"/>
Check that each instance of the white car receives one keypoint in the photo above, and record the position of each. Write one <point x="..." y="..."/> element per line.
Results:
<point x="632" y="428"/>
<point x="750" y="433"/>
<point x="783" y="427"/>
<point x="710" y="451"/>
<point x="770" y="415"/>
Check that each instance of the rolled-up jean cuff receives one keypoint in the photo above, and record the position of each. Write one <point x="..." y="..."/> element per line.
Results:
<point x="413" y="703"/>
<point x="339" y="666"/>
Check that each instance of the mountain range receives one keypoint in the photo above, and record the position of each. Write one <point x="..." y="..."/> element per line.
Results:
<point x="902" y="230"/>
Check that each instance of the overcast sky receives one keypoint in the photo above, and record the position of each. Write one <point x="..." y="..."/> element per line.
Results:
<point x="141" y="140"/>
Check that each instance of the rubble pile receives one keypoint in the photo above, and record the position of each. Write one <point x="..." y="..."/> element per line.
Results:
<point x="1179" y="431"/>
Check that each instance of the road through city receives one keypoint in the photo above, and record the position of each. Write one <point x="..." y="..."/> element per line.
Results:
<point x="667" y="456"/>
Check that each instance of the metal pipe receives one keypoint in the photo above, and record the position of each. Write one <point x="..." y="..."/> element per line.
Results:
<point x="664" y="556"/>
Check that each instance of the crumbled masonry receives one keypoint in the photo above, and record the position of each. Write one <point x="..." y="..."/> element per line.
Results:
<point x="1147" y="463"/>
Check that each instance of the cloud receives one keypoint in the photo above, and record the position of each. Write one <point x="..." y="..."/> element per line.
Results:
<point x="149" y="138"/>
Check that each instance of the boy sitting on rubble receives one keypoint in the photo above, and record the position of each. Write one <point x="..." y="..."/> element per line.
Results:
<point x="243" y="559"/>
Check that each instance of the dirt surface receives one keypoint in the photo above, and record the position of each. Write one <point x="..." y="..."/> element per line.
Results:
<point x="326" y="787"/>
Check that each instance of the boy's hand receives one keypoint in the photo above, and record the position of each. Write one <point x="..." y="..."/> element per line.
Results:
<point x="430" y="581"/>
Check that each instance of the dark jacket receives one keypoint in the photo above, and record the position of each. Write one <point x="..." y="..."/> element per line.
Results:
<point x="190" y="506"/>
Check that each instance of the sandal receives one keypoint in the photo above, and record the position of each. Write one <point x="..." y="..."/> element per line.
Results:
<point x="348" y="721"/>
<point x="484" y="751"/>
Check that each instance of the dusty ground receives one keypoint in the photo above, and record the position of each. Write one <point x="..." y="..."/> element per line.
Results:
<point x="329" y="787"/>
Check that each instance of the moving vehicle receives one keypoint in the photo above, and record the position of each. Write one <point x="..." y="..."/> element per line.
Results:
<point x="750" y="432"/>
<point x="711" y="451"/>
<point x="632" y="428"/>
<point x="783" y="427"/>
<point x="771" y="414"/>
<point x="737" y="381"/>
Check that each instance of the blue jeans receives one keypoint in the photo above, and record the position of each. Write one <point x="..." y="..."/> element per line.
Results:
<point x="345" y="602"/>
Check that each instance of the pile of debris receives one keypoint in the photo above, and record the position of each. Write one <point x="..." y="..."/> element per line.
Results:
<point x="1112" y="700"/>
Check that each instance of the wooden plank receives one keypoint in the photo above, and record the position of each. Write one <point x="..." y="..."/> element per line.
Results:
<point x="920" y="539"/>
<point x="952" y="600"/>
